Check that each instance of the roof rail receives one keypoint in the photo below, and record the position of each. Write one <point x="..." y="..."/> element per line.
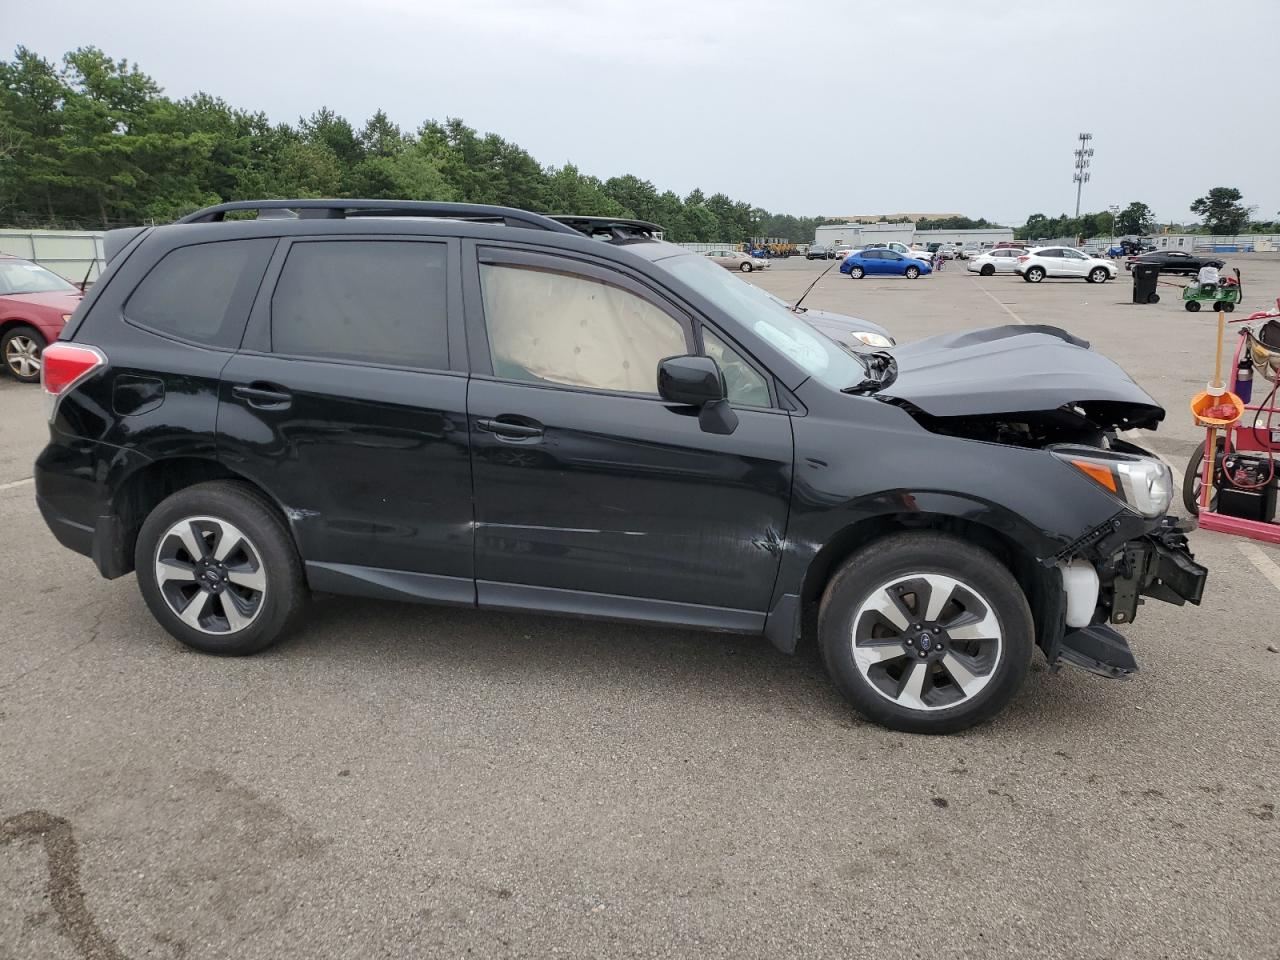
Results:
<point x="611" y="229"/>
<point x="342" y="209"/>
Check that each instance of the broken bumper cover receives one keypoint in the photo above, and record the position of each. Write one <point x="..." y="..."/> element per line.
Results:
<point x="1157" y="564"/>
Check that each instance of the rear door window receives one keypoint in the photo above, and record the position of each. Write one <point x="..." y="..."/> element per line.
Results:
<point x="369" y="301"/>
<point x="200" y="293"/>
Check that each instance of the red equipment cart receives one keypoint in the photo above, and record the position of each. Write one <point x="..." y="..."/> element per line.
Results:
<point x="1242" y="466"/>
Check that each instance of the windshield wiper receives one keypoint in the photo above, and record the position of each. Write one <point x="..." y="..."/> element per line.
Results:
<point x="880" y="369"/>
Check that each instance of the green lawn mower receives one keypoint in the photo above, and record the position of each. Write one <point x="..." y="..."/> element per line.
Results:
<point x="1224" y="296"/>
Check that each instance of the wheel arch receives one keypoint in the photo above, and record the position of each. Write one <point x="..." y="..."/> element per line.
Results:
<point x="146" y="487"/>
<point x="1040" y="584"/>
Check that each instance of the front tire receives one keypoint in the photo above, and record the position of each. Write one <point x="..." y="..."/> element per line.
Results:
<point x="912" y="272"/>
<point x="986" y="270"/>
<point x="1098" y="275"/>
<point x="1034" y="274"/>
<point x="22" y="348"/>
<point x="219" y="570"/>
<point x="924" y="633"/>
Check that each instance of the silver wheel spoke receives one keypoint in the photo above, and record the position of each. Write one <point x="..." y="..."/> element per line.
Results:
<point x="231" y="609"/>
<point x="872" y="653"/>
<point x="966" y="680"/>
<point x="194" y="610"/>
<point x="940" y="591"/>
<point x="167" y="570"/>
<point x="192" y="540"/>
<point x="253" y="579"/>
<point x="912" y="692"/>
<point x="228" y="539"/>
<point x="883" y="603"/>
<point x="988" y="628"/>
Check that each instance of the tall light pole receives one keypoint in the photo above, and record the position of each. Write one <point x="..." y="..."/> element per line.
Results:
<point x="1083" y="153"/>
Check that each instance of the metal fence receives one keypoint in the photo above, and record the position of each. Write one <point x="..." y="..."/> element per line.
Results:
<point x="73" y="254"/>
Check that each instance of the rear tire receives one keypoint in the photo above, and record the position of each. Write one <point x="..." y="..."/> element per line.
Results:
<point x="911" y="273"/>
<point x="986" y="270"/>
<point x="745" y="268"/>
<point x="242" y="592"/>
<point x="1034" y="274"/>
<point x="22" y="347"/>
<point x="871" y="646"/>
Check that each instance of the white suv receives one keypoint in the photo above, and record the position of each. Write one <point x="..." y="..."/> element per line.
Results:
<point x="1034" y="265"/>
<point x="1001" y="260"/>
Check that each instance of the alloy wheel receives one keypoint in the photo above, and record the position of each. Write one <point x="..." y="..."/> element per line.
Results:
<point x="926" y="641"/>
<point x="210" y="575"/>
<point x="22" y="354"/>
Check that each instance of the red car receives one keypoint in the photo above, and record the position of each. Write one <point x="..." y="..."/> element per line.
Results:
<point x="35" y="304"/>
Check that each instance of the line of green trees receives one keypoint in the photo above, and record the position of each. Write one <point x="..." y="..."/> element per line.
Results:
<point x="1222" y="211"/>
<point x="92" y="142"/>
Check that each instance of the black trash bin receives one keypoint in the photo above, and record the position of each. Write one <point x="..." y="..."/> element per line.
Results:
<point x="1144" y="282"/>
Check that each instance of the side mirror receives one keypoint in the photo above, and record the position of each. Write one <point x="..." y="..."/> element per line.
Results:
<point x="691" y="381"/>
<point x="697" y="382"/>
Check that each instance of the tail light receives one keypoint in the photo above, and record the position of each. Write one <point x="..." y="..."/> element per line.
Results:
<point x="1023" y="259"/>
<point x="63" y="365"/>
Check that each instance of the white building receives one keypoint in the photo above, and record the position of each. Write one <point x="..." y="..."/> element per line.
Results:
<point x="861" y="234"/>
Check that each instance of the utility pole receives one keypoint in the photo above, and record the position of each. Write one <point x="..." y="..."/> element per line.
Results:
<point x="1082" y="153"/>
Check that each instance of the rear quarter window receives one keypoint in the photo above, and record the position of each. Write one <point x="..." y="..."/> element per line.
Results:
<point x="201" y="292"/>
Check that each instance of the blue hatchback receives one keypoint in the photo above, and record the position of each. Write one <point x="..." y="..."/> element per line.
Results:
<point x="866" y="262"/>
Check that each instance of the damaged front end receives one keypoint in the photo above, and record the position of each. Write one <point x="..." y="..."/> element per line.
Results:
<point x="1039" y="388"/>
<point x="1105" y="575"/>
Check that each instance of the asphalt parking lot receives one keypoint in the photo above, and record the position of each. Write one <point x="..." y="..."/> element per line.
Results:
<point x="401" y="781"/>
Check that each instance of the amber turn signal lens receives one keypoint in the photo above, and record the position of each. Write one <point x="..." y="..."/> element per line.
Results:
<point x="1102" y="474"/>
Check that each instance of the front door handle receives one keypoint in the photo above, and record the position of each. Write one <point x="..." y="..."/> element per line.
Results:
<point x="264" y="396"/>
<point x="509" y="427"/>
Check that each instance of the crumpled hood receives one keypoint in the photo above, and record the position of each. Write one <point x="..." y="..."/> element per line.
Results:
<point x="1017" y="369"/>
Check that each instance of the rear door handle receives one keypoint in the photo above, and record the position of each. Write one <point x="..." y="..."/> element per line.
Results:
<point x="264" y="396"/>
<point x="507" y="427"/>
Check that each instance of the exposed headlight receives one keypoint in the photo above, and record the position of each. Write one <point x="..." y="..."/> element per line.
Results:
<point x="66" y="318"/>
<point x="1144" y="484"/>
<point x="872" y="339"/>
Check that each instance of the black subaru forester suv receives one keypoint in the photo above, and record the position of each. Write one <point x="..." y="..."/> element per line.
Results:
<point x="486" y="407"/>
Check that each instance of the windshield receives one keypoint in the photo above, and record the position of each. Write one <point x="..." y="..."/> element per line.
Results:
<point x="770" y="320"/>
<point x="22" y="276"/>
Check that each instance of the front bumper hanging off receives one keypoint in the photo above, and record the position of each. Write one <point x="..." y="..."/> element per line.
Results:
<point x="1157" y="564"/>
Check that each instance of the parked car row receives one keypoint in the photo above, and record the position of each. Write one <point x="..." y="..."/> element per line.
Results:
<point x="1037" y="263"/>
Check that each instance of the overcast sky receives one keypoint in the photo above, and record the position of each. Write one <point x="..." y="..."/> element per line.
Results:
<point x="845" y="107"/>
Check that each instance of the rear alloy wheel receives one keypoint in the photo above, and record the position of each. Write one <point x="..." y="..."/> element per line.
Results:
<point x="22" y="348"/>
<point x="1034" y="274"/>
<point x="218" y="569"/>
<point x="912" y="272"/>
<point x="925" y="633"/>
<point x="856" y="273"/>
<point x="746" y="267"/>
<point x="986" y="270"/>
<point x="1098" y="275"/>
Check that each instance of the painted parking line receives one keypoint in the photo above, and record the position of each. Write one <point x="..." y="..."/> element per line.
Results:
<point x="13" y="484"/>
<point x="1266" y="566"/>
<point x="1002" y="306"/>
